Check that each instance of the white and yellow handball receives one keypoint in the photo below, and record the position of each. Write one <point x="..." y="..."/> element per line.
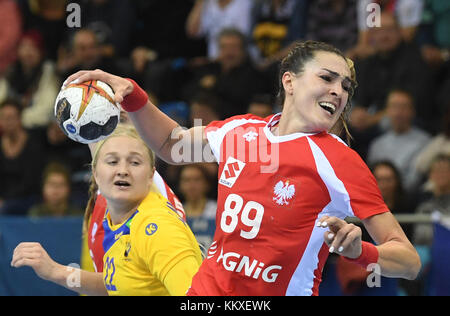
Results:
<point x="86" y="112"/>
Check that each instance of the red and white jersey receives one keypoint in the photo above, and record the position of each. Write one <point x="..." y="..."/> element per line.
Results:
<point x="272" y="190"/>
<point x="96" y="231"/>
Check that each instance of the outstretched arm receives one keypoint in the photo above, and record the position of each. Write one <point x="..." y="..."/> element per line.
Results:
<point x="158" y="130"/>
<point x="32" y="254"/>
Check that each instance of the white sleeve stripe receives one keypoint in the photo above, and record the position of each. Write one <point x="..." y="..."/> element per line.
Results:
<point x="302" y="280"/>
<point x="216" y="137"/>
<point x="160" y="184"/>
<point x="340" y="199"/>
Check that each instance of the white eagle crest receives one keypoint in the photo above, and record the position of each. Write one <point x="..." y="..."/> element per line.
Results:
<point x="283" y="192"/>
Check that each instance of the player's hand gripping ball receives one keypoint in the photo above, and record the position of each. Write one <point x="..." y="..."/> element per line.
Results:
<point x="86" y="112"/>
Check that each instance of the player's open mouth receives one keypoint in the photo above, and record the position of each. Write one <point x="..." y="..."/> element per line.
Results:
<point x="122" y="184"/>
<point x="329" y="107"/>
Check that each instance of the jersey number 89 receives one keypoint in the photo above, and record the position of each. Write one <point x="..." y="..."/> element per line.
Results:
<point x="234" y="204"/>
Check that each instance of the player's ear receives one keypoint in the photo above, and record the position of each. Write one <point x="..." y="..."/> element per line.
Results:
<point x="287" y="80"/>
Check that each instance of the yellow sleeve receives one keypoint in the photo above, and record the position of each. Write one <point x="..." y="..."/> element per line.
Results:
<point x="165" y="244"/>
<point x="179" y="278"/>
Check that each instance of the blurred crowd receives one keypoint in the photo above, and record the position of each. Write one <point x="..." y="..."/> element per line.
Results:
<point x="211" y="59"/>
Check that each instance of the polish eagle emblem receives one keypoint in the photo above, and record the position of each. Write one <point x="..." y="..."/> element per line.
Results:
<point x="283" y="192"/>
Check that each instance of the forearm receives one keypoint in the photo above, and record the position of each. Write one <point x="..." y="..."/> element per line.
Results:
<point x="398" y="260"/>
<point x="193" y="20"/>
<point x="80" y="281"/>
<point x="396" y="255"/>
<point x="156" y="129"/>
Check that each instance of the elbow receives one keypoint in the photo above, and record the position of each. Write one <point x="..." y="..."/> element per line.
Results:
<point x="414" y="268"/>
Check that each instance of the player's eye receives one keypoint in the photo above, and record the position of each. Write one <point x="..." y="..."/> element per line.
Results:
<point x="348" y="88"/>
<point x="326" y="78"/>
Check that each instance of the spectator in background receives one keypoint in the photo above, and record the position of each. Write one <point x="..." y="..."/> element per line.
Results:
<point x="10" y="30"/>
<point x="232" y="77"/>
<point x="72" y="155"/>
<point x="113" y="23"/>
<point x="395" y="64"/>
<point x="59" y="148"/>
<point x="21" y="162"/>
<point x="439" y="176"/>
<point x="194" y="187"/>
<point x="204" y="106"/>
<point x="439" y="144"/>
<point x="433" y="36"/>
<point x="272" y="27"/>
<point x="408" y="13"/>
<point x="33" y="80"/>
<point x="276" y="25"/>
<point x="55" y="194"/>
<point x="403" y="141"/>
<point x="261" y="105"/>
<point x="364" y="128"/>
<point x="333" y="22"/>
<point x="85" y="53"/>
<point x="389" y="182"/>
<point x="49" y="18"/>
<point x="434" y="41"/>
<point x="209" y="17"/>
<point x="169" y="19"/>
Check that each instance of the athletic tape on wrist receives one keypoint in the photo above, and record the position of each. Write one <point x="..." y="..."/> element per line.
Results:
<point x="369" y="254"/>
<point x="136" y="99"/>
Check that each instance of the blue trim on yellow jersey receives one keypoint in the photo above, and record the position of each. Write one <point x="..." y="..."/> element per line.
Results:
<point x="111" y="236"/>
<point x="169" y="205"/>
<point x="173" y="209"/>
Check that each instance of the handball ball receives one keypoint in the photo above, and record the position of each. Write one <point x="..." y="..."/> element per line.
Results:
<point x="86" y="112"/>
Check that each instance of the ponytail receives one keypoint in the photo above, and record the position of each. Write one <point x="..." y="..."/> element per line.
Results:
<point x="93" y="190"/>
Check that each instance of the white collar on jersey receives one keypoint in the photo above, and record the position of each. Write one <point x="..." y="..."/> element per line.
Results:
<point x="284" y="138"/>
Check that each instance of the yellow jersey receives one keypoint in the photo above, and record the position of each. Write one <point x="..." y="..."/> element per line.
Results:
<point x="153" y="252"/>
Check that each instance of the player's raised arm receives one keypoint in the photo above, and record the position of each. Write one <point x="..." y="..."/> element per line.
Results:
<point x="158" y="130"/>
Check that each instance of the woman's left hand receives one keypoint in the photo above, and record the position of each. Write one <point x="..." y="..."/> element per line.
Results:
<point x="342" y="238"/>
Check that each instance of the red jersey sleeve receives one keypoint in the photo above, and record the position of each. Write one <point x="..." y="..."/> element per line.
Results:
<point x="365" y="196"/>
<point x="348" y="179"/>
<point x="96" y="233"/>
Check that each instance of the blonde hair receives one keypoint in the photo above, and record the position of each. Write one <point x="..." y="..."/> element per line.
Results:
<point x="121" y="130"/>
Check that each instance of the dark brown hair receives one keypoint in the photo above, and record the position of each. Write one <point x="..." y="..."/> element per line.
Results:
<point x="56" y="168"/>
